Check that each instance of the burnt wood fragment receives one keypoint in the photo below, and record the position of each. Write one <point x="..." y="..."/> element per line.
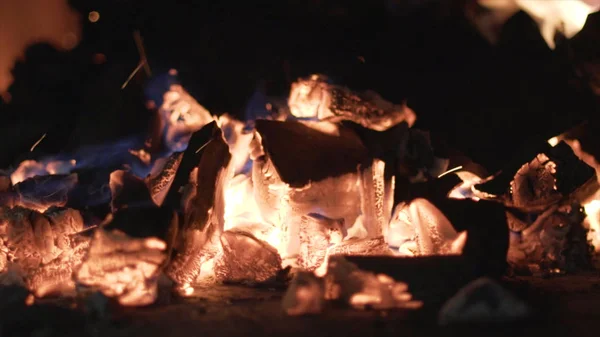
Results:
<point x="302" y="154"/>
<point x="128" y="191"/>
<point x="160" y="183"/>
<point x="203" y="213"/>
<point x="147" y="221"/>
<point x="41" y="192"/>
<point x="191" y="158"/>
<point x="571" y="172"/>
<point x="487" y="232"/>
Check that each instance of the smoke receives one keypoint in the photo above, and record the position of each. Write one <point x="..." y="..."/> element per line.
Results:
<point x="26" y="22"/>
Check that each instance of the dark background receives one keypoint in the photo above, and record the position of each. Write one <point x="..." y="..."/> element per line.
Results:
<point x="486" y="101"/>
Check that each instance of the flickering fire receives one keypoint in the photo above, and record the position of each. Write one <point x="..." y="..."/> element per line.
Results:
<point x="551" y="16"/>
<point x="240" y="204"/>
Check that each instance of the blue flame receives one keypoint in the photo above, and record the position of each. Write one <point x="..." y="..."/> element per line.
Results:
<point x="158" y="85"/>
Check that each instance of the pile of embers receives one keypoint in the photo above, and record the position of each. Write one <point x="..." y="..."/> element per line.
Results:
<point x="303" y="196"/>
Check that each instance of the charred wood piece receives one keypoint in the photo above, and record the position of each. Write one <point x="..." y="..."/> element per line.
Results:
<point x="199" y="142"/>
<point x="128" y="190"/>
<point x="203" y="212"/>
<point x="160" y="183"/>
<point x="43" y="192"/>
<point x="299" y="151"/>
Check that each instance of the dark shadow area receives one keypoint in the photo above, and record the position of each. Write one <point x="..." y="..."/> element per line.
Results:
<point x="482" y="100"/>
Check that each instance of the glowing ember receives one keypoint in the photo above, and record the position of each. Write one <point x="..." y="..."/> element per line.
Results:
<point x="315" y="98"/>
<point x="31" y="168"/>
<point x="246" y="259"/>
<point x="419" y="228"/>
<point x="123" y="267"/>
<point x="246" y="205"/>
<point x="43" y="248"/>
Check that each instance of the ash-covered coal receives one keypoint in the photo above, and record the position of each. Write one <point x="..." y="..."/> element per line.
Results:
<point x="246" y="259"/>
<point x="43" y="248"/>
<point x="123" y="267"/>
<point x="314" y="97"/>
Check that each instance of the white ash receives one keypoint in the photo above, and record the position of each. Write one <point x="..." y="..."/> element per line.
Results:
<point x="483" y="301"/>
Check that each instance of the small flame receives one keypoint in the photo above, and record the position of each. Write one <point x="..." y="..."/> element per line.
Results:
<point x="551" y="16"/>
<point x="592" y="209"/>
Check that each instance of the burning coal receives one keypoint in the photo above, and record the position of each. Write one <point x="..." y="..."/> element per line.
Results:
<point x="225" y="201"/>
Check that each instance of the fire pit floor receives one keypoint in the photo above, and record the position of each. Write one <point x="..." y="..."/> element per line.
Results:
<point x="565" y="305"/>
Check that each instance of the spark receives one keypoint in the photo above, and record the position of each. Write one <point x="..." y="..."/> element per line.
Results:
<point x="37" y="143"/>
<point x="85" y="230"/>
<point x="139" y="66"/>
<point x="553" y="141"/>
<point x="203" y="146"/>
<point x="450" y="171"/>
<point x="139" y="43"/>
